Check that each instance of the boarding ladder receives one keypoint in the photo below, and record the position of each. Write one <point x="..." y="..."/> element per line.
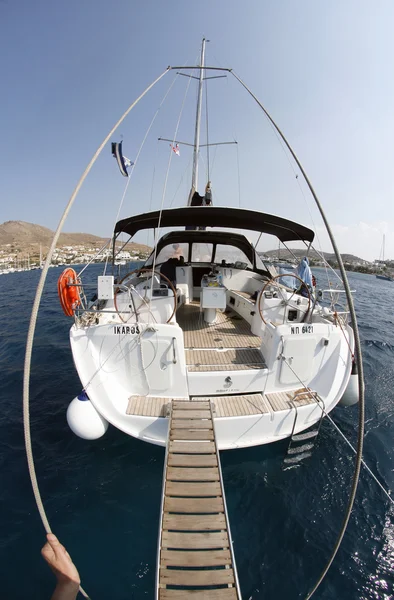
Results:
<point x="195" y="556"/>
<point x="302" y="444"/>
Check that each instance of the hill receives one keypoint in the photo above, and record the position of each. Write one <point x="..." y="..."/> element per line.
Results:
<point x="329" y="256"/>
<point x="25" y="237"/>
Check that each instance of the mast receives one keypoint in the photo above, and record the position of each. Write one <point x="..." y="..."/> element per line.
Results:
<point x="198" y="122"/>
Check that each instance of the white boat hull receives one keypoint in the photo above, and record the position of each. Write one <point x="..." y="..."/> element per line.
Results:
<point x="115" y="363"/>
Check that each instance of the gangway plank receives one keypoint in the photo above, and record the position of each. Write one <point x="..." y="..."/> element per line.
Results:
<point x="195" y="554"/>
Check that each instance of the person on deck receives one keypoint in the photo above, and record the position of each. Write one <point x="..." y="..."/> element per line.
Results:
<point x="59" y="560"/>
<point x="303" y="271"/>
<point x="178" y="253"/>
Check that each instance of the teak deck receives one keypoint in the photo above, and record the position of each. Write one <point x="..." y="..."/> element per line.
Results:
<point x="225" y="406"/>
<point x="195" y="558"/>
<point x="229" y="331"/>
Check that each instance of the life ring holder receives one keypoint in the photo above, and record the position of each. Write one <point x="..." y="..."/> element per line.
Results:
<point x="278" y="277"/>
<point x="68" y="289"/>
<point x="153" y="272"/>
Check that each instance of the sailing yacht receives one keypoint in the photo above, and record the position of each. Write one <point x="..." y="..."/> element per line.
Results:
<point x="381" y="263"/>
<point x="206" y="321"/>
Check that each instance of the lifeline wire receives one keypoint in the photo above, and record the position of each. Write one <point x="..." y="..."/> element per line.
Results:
<point x="278" y="137"/>
<point x="166" y="180"/>
<point x="34" y="314"/>
<point x="136" y="160"/>
<point x="372" y="474"/>
<point x="357" y="344"/>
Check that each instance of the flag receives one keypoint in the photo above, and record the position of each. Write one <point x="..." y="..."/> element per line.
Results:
<point x="175" y="149"/>
<point x="123" y="162"/>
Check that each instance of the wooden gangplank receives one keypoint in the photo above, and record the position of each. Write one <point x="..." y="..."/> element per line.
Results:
<point x="195" y="555"/>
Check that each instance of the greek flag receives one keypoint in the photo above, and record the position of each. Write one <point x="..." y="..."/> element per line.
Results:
<point x="123" y="162"/>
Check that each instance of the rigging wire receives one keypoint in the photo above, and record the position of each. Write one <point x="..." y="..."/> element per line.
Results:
<point x="157" y="231"/>
<point x="152" y="188"/>
<point x="94" y="257"/>
<point x="239" y="178"/>
<point x="181" y="180"/>
<point x="371" y="473"/>
<point x="357" y="343"/>
<point x="34" y="314"/>
<point x="136" y="159"/>
<point x="207" y="126"/>
<point x="278" y="137"/>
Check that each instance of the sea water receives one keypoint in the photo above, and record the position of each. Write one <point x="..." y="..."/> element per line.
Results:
<point x="103" y="497"/>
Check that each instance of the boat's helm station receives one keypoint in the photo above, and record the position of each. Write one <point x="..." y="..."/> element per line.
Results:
<point x="280" y="304"/>
<point x="148" y="295"/>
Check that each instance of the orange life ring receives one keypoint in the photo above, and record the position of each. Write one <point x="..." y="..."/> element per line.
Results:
<point x="68" y="290"/>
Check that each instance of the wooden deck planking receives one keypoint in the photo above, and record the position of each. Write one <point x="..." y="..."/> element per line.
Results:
<point x="229" y="330"/>
<point x="192" y="447"/>
<point x="224" y="406"/>
<point x="149" y="406"/>
<point x="194" y="434"/>
<point x="228" y="359"/>
<point x="198" y="460"/>
<point x="191" y="423"/>
<point x="193" y="505"/>
<point x="193" y="522"/>
<point x="198" y="558"/>
<point x="241" y="405"/>
<point x="194" y="541"/>
<point x="187" y="406"/>
<point x="222" y="594"/>
<point x="191" y="414"/>
<point x="193" y="525"/>
<point x="192" y="474"/>
<point x="202" y="578"/>
<point x="193" y="489"/>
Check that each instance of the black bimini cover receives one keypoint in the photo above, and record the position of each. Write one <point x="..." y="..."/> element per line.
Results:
<point x="217" y="216"/>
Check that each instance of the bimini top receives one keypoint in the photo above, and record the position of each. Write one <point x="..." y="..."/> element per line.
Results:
<point x="217" y="216"/>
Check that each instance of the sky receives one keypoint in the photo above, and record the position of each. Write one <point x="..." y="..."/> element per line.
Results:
<point x="324" y="70"/>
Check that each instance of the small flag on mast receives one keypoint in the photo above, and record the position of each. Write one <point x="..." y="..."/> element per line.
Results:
<point x="175" y="149"/>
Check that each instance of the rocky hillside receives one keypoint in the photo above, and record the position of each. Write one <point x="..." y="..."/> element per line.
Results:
<point x="26" y="236"/>
<point x="285" y="254"/>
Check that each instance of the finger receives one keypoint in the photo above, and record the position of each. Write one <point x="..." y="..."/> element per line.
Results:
<point x="55" y="544"/>
<point x="47" y="552"/>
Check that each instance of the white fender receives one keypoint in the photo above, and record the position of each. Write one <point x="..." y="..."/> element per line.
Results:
<point x="84" y="420"/>
<point x="351" y="394"/>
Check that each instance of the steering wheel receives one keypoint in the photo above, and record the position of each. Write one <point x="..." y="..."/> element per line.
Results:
<point x="151" y="272"/>
<point x="284" y="300"/>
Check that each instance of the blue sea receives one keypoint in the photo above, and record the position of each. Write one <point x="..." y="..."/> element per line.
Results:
<point x="103" y="497"/>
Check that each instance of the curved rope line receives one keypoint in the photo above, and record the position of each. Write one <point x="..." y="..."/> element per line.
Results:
<point x="34" y="314"/>
<point x="357" y="343"/>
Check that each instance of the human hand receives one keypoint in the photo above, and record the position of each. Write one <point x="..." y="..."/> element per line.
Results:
<point x="66" y="573"/>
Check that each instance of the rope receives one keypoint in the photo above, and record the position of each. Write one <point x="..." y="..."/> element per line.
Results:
<point x="338" y="320"/>
<point x="157" y="232"/>
<point x="273" y="127"/>
<point x="136" y="160"/>
<point x="95" y="256"/>
<point x="181" y="180"/>
<point x="239" y="178"/>
<point x="348" y="509"/>
<point x="357" y="344"/>
<point x="207" y="126"/>
<point x="371" y="473"/>
<point x="34" y="314"/>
